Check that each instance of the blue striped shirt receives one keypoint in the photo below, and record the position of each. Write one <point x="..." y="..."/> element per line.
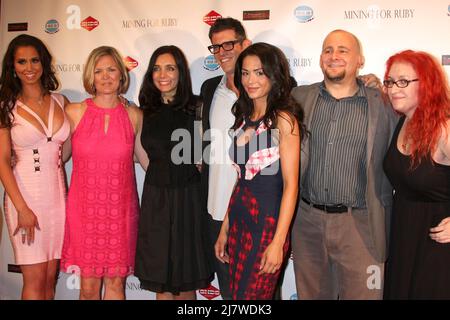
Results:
<point x="337" y="166"/>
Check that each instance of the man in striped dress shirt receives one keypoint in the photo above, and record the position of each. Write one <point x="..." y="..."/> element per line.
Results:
<point x="339" y="236"/>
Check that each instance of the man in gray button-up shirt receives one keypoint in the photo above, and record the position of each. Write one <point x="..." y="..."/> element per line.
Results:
<point x="339" y="237"/>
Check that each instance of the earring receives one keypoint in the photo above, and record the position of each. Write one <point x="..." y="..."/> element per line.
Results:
<point x="14" y="74"/>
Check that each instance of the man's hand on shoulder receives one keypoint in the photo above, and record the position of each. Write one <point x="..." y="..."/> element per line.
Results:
<point x="371" y="81"/>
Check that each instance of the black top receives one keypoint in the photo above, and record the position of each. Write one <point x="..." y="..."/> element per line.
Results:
<point x="157" y="133"/>
<point x="429" y="182"/>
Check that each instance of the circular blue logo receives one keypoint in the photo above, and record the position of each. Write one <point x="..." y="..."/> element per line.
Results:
<point x="304" y="14"/>
<point x="210" y="63"/>
<point x="293" y="297"/>
<point x="52" y="26"/>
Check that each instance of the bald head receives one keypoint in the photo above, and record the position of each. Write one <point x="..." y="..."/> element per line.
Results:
<point x="341" y="57"/>
<point x="344" y="33"/>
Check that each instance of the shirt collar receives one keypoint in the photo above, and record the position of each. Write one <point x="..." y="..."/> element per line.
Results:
<point x="223" y="81"/>
<point x="223" y="84"/>
<point x="360" y="93"/>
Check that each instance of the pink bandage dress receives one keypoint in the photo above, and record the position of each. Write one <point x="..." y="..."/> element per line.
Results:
<point x="40" y="177"/>
<point x="102" y="204"/>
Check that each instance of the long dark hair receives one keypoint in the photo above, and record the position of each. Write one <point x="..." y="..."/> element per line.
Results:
<point x="276" y="68"/>
<point x="10" y="84"/>
<point x="150" y="97"/>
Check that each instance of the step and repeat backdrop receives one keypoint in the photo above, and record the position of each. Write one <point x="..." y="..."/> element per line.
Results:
<point x="72" y="28"/>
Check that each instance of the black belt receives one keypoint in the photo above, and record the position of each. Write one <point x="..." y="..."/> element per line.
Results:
<point x="328" y="209"/>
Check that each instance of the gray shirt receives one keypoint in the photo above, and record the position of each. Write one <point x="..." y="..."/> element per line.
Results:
<point x="337" y="168"/>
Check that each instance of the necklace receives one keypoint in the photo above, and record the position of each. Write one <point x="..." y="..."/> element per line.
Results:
<point x="405" y="146"/>
<point x="39" y="100"/>
<point x="406" y="138"/>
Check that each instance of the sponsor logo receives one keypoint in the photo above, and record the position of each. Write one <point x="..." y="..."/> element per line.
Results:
<point x="211" y="17"/>
<point x="68" y="67"/>
<point x="210" y="63"/>
<point x="52" y="26"/>
<point x="90" y="23"/>
<point x="130" y="63"/>
<point x="293" y="297"/>
<point x="20" y="26"/>
<point x="304" y="13"/>
<point x="298" y="62"/>
<point x="376" y="13"/>
<point x="256" y="15"/>
<point x="145" y="23"/>
<point x="446" y="60"/>
<point x="209" y="293"/>
<point x="14" y="268"/>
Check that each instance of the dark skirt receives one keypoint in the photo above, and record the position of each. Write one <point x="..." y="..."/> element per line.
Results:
<point x="171" y="254"/>
<point x="418" y="267"/>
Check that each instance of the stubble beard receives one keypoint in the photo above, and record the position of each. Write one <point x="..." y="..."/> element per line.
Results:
<point x="335" y="78"/>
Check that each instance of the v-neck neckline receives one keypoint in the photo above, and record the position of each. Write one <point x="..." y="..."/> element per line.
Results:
<point x="47" y="130"/>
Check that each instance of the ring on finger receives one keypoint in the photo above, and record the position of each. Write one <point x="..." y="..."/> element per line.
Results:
<point x="23" y="231"/>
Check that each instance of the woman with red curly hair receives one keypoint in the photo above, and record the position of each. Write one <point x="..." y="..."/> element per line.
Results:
<point x="418" y="166"/>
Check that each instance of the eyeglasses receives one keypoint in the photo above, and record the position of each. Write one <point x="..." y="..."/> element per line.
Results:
<point x="227" y="46"/>
<point x="401" y="83"/>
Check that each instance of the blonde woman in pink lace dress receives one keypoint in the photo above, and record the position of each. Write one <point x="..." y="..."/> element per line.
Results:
<point x="102" y="204"/>
<point x="33" y="128"/>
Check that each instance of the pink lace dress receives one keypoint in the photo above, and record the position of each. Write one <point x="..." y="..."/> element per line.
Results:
<point x="40" y="178"/>
<point x="102" y="205"/>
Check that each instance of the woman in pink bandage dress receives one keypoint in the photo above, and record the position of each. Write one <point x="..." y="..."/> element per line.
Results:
<point x="33" y="128"/>
<point x="102" y="204"/>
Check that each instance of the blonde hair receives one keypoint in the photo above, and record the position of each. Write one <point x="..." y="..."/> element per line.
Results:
<point x="94" y="56"/>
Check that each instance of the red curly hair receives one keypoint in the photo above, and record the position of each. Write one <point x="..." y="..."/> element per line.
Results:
<point x="433" y="111"/>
